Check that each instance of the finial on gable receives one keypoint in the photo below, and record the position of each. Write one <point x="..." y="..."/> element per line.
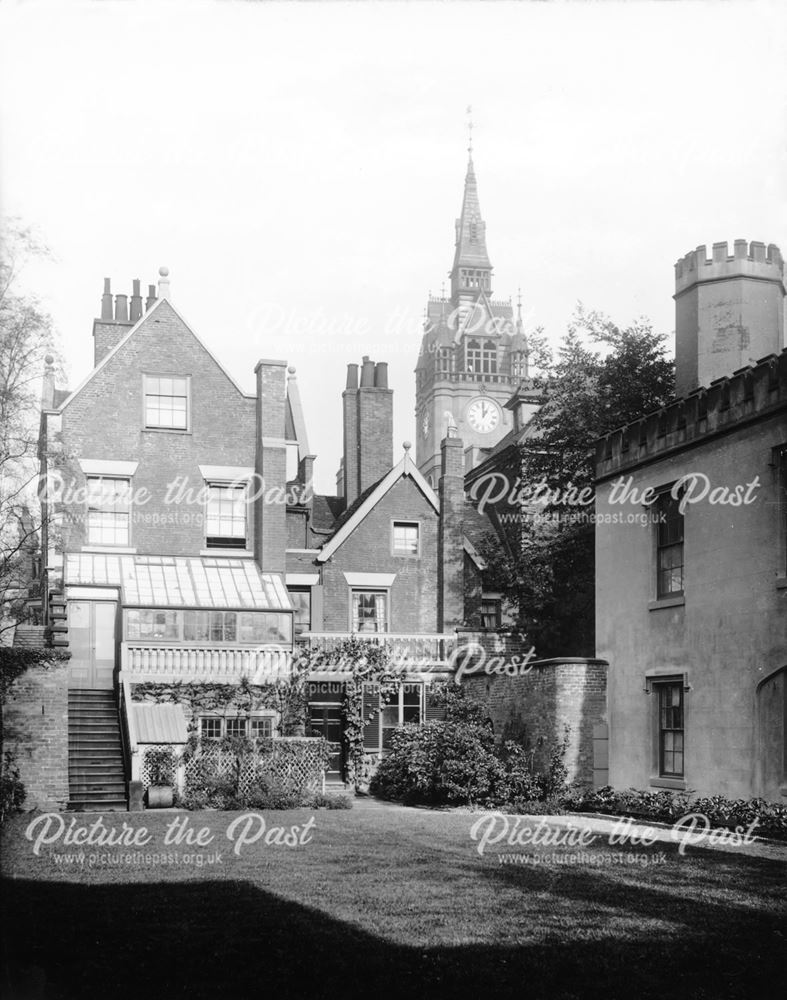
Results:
<point x="163" y="283"/>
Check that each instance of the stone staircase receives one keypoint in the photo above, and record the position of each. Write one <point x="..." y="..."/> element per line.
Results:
<point x="96" y="773"/>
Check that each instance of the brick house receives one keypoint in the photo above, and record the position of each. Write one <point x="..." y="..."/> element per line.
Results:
<point x="691" y="576"/>
<point x="387" y="558"/>
<point x="184" y="546"/>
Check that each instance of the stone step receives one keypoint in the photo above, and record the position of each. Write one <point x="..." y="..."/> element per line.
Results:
<point x="97" y="805"/>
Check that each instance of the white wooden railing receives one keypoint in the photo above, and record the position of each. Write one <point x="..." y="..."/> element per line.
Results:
<point x="427" y="649"/>
<point x="147" y="662"/>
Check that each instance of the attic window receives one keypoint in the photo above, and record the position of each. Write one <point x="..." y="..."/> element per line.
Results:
<point x="167" y="402"/>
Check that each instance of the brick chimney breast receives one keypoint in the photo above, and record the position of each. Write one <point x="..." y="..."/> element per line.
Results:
<point x="450" y="567"/>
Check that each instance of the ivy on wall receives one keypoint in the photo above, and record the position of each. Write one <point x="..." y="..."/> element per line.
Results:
<point x="287" y="697"/>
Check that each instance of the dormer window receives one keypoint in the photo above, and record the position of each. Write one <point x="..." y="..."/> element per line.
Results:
<point x="167" y="402"/>
<point x="481" y="357"/>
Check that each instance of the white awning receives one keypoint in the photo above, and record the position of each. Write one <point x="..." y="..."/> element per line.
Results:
<point x="160" y="723"/>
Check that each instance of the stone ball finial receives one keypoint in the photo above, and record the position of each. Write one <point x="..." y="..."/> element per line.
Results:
<point x="163" y="272"/>
<point x="49" y="360"/>
<point x="291" y="370"/>
<point x="406" y="445"/>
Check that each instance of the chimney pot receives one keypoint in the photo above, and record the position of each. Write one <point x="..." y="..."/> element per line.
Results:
<point x="106" y="301"/>
<point x="381" y="375"/>
<point x="121" y="309"/>
<point x="151" y="299"/>
<point x="367" y="374"/>
<point x="136" y="301"/>
<point x="352" y="377"/>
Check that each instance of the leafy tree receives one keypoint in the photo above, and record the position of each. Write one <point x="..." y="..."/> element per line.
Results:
<point x="26" y="338"/>
<point x="604" y="376"/>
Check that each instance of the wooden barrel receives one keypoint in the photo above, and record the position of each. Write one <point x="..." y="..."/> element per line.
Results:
<point x="160" y="797"/>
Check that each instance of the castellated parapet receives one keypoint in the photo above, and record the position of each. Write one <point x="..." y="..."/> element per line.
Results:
<point x="751" y="260"/>
<point x="754" y="393"/>
<point x="729" y="310"/>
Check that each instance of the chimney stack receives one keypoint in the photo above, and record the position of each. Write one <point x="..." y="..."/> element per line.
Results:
<point x="374" y="424"/>
<point x="270" y="466"/>
<point x="451" y="556"/>
<point x="115" y="320"/>
<point x="136" y="302"/>
<point x="350" y="431"/>
<point x="106" y="302"/>
<point x="151" y="299"/>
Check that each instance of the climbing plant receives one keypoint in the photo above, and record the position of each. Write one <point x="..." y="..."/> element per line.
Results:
<point x="367" y="663"/>
<point x="287" y="697"/>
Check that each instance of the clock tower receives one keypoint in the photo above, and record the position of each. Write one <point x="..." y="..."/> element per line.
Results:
<point x="473" y="351"/>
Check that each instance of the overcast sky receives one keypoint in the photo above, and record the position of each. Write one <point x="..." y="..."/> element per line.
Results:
<point x="299" y="167"/>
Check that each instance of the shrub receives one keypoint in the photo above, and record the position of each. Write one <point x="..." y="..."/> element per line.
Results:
<point x="268" y="793"/>
<point x="667" y="807"/>
<point x="12" y="791"/>
<point x="322" y="800"/>
<point x="440" y="763"/>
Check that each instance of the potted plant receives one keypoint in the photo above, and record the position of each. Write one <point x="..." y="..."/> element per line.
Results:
<point x="161" y="768"/>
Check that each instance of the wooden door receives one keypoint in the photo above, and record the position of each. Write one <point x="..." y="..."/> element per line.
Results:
<point x="326" y="721"/>
<point x="91" y="640"/>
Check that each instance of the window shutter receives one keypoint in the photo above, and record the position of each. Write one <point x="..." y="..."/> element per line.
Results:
<point x="435" y="706"/>
<point x="371" y="717"/>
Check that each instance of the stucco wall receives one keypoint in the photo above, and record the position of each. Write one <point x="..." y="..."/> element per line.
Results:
<point x="731" y="630"/>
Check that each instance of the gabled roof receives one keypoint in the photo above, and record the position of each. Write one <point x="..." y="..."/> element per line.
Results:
<point x="156" y="307"/>
<point x="368" y="500"/>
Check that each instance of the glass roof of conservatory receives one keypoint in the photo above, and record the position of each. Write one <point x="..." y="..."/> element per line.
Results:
<point x="179" y="581"/>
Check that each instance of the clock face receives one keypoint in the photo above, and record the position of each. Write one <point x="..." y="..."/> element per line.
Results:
<point x="483" y="415"/>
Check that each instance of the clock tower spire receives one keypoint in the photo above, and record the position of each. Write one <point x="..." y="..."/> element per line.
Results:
<point x="466" y="371"/>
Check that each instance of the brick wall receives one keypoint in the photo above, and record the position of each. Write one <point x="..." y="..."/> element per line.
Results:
<point x="106" y="421"/>
<point x="413" y="602"/>
<point x="35" y="731"/>
<point x="450" y="571"/>
<point x="270" y="512"/>
<point x="542" y="700"/>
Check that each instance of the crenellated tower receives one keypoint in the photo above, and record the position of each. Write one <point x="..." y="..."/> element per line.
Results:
<point x="473" y="351"/>
<point x="729" y="311"/>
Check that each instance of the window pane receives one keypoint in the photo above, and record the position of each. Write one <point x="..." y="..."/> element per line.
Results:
<point x="301" y="600"/>
<point x="166" y="402"/>
<point x="405" y="538"/>
<point x="210" y="728"/>
<point x="236" y="727"/>
<point x="261" y="728"/>
<point x="226" y="515"/>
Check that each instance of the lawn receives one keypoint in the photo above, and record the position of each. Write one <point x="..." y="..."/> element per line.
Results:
<point x="384" y="900"/>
